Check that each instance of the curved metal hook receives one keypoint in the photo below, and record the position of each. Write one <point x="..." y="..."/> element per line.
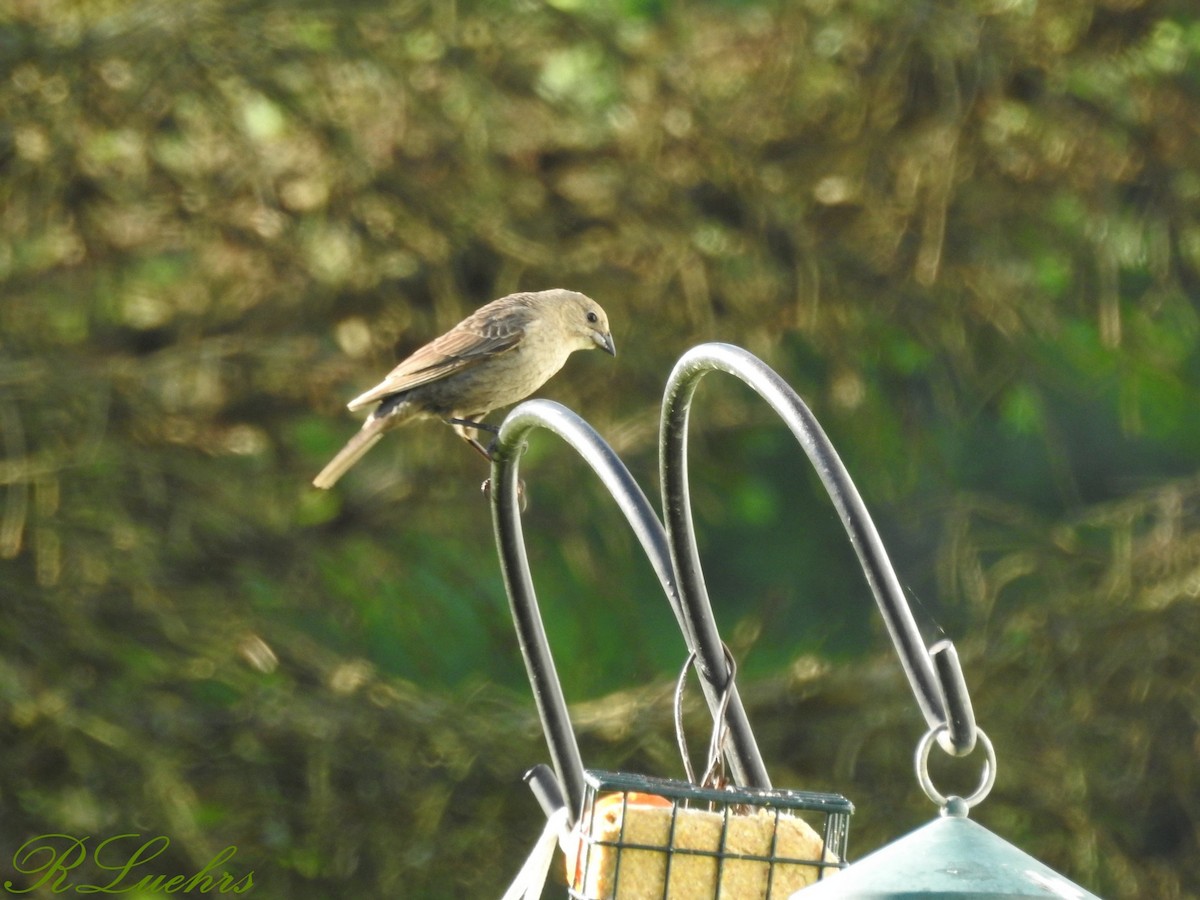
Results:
<point x="959" y="737"/>
<point x="745" y="759"/>
<point x="677" y="515"/>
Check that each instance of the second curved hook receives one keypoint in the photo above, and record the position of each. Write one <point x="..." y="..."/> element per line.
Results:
<point x="677" y="514"/>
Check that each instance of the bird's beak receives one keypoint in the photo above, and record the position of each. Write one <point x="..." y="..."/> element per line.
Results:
<point x="604" y="341"/>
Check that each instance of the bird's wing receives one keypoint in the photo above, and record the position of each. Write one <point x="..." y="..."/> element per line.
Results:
<point x="480" y="336"/>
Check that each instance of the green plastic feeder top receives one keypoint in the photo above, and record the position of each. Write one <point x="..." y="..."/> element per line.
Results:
<point x="950" y="857"/>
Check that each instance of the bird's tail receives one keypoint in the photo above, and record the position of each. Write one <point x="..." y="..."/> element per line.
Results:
<point x="355" y="449"/>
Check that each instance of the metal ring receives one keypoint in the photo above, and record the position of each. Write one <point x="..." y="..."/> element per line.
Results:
<point x="985" y="783"/>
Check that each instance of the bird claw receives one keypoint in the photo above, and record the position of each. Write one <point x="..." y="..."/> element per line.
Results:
<point x="522" y="498"/>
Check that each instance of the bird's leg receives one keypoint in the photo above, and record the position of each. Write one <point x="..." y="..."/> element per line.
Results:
<point x="483" y="451"/>
<point x="463" y="424"/>
<point x="478" y="426"/>
<point x="460" y="426"/>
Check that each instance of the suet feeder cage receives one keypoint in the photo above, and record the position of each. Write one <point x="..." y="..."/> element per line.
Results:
<point x="642" y="837"/>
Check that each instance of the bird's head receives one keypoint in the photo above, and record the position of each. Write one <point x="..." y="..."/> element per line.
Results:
<point x="584" y="322"/>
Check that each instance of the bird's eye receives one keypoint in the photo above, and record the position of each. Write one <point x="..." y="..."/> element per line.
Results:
<point x="593" y="318"/>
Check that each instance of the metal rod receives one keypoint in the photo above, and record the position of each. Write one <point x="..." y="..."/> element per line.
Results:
<point x="959" y="737"/>
<point x="546" y="789"/>
<point x="677" y="515"/>
<point x="745" y="759"/>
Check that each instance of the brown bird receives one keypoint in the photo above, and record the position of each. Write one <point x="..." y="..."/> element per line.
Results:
<point x="499" y="354"/>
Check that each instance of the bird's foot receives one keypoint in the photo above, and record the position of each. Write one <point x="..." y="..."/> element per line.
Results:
<point x="522" y="498"/>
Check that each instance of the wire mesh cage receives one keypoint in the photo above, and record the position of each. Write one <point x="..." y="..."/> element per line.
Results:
<point x="650" y="838"/>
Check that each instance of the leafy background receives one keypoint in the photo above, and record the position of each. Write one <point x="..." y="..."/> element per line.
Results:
<point x="968" y="234"/>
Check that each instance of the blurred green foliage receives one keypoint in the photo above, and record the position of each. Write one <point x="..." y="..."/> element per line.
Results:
<point x="968" y="234"/>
